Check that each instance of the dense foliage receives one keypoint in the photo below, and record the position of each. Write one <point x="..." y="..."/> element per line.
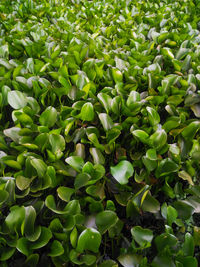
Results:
<point x="99" y="135"/>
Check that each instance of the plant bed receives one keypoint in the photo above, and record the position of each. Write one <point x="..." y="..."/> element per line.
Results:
<point x="99" y="133"/>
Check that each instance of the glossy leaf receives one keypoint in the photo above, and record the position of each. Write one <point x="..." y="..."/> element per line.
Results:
<point x="16" y="99"/>
<point x="153" y="115"/>
<point x="75" y="162"/>
<point x="166" y="167"/>
<point x="129" y="260"/>
<point x="122" y="171"/>
<point x="44" y="238"/>
<point x="142" y="236"/>
<point x="191" y="129"/>
<point x="65" y="193"/>
<point x="48" y="117"/>
<point x="89" y="239"/>
<point x="105" y="219"/>
<point x="56" y="249"/>
<point x="141" y="135"/>
<point x="87" y="112"/>
<point x="106" y="121"/>
<point x="39" y="165"/>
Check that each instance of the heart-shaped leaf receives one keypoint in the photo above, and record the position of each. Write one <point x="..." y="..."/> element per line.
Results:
<point x="122" y="171"/>
<point x="56" y="249"/>
<point x="105" y="220"/>
<point x="142" y="236"/>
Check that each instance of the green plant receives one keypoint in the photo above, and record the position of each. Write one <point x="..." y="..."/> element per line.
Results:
<point x="99" y="133"/>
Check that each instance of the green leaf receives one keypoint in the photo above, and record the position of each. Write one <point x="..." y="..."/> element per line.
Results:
<point x="32" y="260"/>
<point x="184" y="209"/>
<point x="74" y="237"/>
<point x="151" y="154"/>
<point x="98" y="158"/>
<point x="141" y="135"/>
<point x="65" y="83"/>
<point x="105" y="100"/>
<point x="182" y="52"/>
<point x="48" y="117"/>
<point x="167" y="82"/>
<point x="164" y="240"/>
<point x="166" y="167"/>
<point x="16" y="99"/>
<point x="88" y="259"/>
<point x="44" y="238"/>
<point x="87" y="112"/>
<point x="112" y="135"/>
<point x="188" y="246"/>
<point x="3" y="196"/>
<point x="196" y="110"/>
<point x="6" y="253"/>
<point x="23" y="246"/>
<point x="93" y="138"/>
<point x="39" y="166"/>
<point x="89" y="239"/>
<point x="56" y="249"/>
<point x="13" y="164"/>
<point x="15" y="218"/>
<point x="142" y="236"/>
<point x="5" y="89"/>
<point x="75" y="162"/>
<point x="149" y="164"/>
<point x="172" y="214"/>
<point x="13" y="133"/>
<point x="122" y="171"/>
<point x="51" y="173"/>
<point x="163" y="261"/>
<point x="116" y="105"/>
<point x="100" y="119"/>
<point x="129" y="260"/>
<point x="81" y="180"/>
<point x="30" y="216"/>
<point x="133" y="100"/>
<point x="190" y="130"/>
<point x="106" y="121"/>
<point x="117" y="75"/>
<point x="166" y="51"/>
<point x="108" y="263"/>
<point x="153" y="115"/>
<point x="50" y="203"/>
<point x="189" y="261"/>
<point x="73" y="207"/>
<point x="65" y="193"/>
<point x="105" y="220"/>
<point x="150" y="204"/>
<point x="57" y="143"/>
<point x="185" y="176"/>
<point x="158" y="139"/>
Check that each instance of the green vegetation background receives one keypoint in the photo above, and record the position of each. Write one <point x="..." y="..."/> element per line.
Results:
<point x="99" y="133"/>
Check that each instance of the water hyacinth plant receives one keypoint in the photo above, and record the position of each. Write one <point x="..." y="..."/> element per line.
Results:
<point x="99" y="133"/>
